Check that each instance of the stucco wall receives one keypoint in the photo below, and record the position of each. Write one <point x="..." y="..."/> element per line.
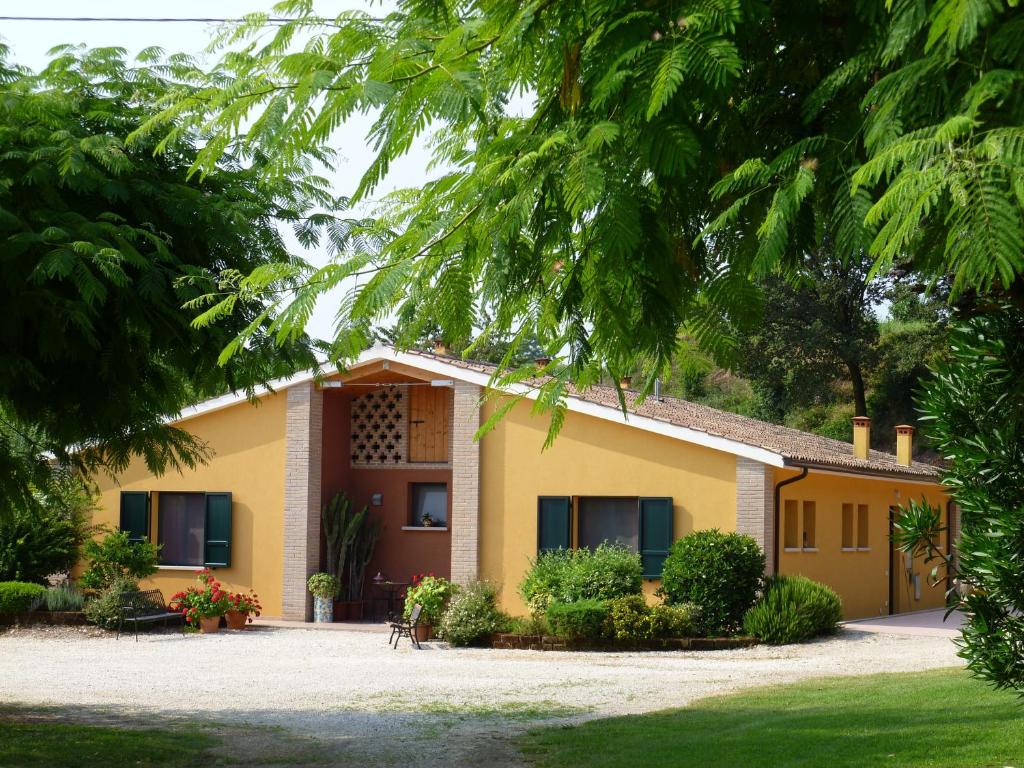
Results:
<point x="249" y="446"/>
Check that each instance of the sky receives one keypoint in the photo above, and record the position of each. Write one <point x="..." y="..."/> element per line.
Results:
<point x="30" y="40"/>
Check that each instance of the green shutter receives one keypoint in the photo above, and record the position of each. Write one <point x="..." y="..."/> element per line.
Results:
<point x="135" y="514"/>
<point x="655" y="534"/>
<point x="554" y="523"/>
<point x="217" y="551"/>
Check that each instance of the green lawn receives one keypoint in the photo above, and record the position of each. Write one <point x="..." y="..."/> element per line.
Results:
<point x="941" y="718"/>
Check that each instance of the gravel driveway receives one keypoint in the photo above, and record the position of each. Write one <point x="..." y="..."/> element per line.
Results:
<point x="377" y="706"/>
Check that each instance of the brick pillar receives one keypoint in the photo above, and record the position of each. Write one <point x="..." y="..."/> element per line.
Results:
<point x="465" y="522"/>
<point x="303" y="466"/>
<point x="755" y="492"/>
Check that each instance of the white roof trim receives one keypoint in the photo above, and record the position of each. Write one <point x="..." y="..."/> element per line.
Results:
<point x="432" y="365"/>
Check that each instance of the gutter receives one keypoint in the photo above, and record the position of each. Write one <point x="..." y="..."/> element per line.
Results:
<point x="775" y="514"/>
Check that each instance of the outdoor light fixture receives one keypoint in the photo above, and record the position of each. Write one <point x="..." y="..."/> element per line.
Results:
<point x="377" y="499"/>
<point x="332" y="384"/>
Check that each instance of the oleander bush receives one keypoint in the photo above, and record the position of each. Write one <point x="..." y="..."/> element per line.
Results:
<point x="719" y="573"/>
<point x="580" y="620"/>
<point x="792" y="610"/>
<point x="472" y="615"/>
<point x="19" y="596"/>
<point x="568" y="576"/>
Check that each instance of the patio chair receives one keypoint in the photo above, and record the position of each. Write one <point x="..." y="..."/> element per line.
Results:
<point x="406" y="627"/>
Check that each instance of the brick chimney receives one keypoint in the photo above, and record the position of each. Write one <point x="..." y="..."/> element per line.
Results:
<point x="861" y="437"/>
<point x="904" y="444"/>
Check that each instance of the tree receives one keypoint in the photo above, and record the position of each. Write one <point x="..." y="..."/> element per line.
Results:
<point x="101" y="245"/>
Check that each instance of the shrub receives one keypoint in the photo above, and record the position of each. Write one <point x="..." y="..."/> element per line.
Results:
<point x="534" y="624"/>
<point x="720" y="573"/>
<point x="43" y="539"/>
<point x="116" y="558"/>
<point x="19" y="596"/>
<point x="432" y="593"/>
<point x="64" y="598"/>
<point x="674" y="620"/>
<point x="205" y="600"/>
<point x="630" y="618"/>
<point x="104" y="608"/>
<point x="793" y="609"/>
<point x="472" y="615"/>
<point x="579" y="620"/>
<point x="567" y="576"/>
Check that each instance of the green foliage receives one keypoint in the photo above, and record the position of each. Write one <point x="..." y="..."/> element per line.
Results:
<point x="534" y="624"/>
<point x="472" y="615"/>
<point x="64" y="597"/>
<point x="432" y="593"/>
<point x="104" y="608"/>
<point x="45" y="538"/>
<point x="323" y="585"/>
<point x="719" y="573"/>
<point x="204" y="600"/>
<point x="19" y="596"/>
<point x="116" y="557"/>
<point x="351" y="538"/>
<point x="793" y="609"/>
<point x="579" y="574"/>
<point x="674" y="620"/>
<point x="582" y="620"/>
<point x="630" y="618"/>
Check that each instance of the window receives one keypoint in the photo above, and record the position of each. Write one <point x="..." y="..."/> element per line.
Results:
<point x="810" y="526"/>
<point x="135" y="515"/>
<point x="792" y="525"/>
<point x="194" y="528"/>
<point x="799" y="530"/>
<point x="862" y="527"/>
<point x="608" y="520"/>
<point x="848" y="527"/>
<point x="429" y="499"/>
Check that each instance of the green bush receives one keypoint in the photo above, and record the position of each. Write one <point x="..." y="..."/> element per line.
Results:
<point x="534" y="624"/>
<point x="793" y="609"/>
<point x="674" y="620"/>
<point x="19" y="596"/>
<point x="472" y="615"/>
<point x="719" y="573"/>
<point x="579" y="620"/>
<point x="64" y="598"/>
<point x="567" y="576"/>
<point x="43" y="539"/>
<point x="631" y="618"/>
<point x="115" y="558"/>
<point x="104" y="608"/>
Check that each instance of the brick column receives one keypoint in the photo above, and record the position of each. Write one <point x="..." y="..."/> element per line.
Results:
<point x="303" y="466"/>
<point x="465" y="522"/>
<point x="755" y="492"/>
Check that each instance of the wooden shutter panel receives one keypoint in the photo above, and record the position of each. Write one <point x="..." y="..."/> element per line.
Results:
<point x="655" y="534"/>
<point x="554" y="523"/>
<point x="135" y="514"/>
<point x="217" y="549"/>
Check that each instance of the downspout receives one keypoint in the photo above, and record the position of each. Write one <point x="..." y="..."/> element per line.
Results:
<point x="776" y="545"/>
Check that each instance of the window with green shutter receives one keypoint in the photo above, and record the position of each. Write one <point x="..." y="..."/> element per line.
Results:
<point x="655" y="534"/>
<point x="135" y="514"/>
<point x="217" y="544"/>
<point x="554" y="523"/>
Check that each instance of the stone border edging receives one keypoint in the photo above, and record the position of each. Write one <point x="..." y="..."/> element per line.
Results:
<point x="49" y="618"/>
<point x="509" y="641"/>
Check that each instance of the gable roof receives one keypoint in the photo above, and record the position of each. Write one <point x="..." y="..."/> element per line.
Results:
<point x="771" y="444"/>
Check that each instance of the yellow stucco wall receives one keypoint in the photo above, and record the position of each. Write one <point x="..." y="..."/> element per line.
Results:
<point x="591" y="457"/>
<point x="861" y="577"/>
<point x="248" y="442"/>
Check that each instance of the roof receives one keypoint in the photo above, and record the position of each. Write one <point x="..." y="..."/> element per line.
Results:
<point x="771" y="444"/>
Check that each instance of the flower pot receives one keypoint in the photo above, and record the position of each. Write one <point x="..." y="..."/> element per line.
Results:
<point x="209" y="624"/>
<point x="424" y="632"/>
<point x="323" y="610"/>
<point x="236" y="619"/>
<point x="340" y="610"/>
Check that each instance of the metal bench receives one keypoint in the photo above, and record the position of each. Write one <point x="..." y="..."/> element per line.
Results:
<point x="406" y="627"/>
<point x="146" y="607"/>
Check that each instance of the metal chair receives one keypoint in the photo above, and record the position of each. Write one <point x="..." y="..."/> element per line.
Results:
<point x="406" y="627"/>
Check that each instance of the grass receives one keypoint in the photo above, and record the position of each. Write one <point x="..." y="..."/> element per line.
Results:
<point x="941" y="718"/>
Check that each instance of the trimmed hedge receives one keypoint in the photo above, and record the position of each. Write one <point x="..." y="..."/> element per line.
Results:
<point x="567" y="576"/>
<point x="794" y="609"/>
<point x="719" y="573"/>
<point x="19" y="596"/>
<point x="581" y="620"/>
<point x="631" y="618"/>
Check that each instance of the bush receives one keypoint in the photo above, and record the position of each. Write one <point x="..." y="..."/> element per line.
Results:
<point x="472" y="615"/>
<point x="323" y="585"/>
<point x="116" y="558"/>
<point x="720" y="573"/>
<point x="674" y="620"/>
<point x="44" y="539"/>
<point x="432" y="593"/>
<point x="580" y="620"/>
<point x="631" y="618"/>
<point x="63" y="598"/>
<point x="19" y="596"/>
<point x="104" y="609"/>
<point x="567" y="576"/>
<point x="793" y="609"/>
<point x="534" y="624"/>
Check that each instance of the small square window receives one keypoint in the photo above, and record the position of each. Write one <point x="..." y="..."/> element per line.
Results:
<point x="429" y="508"/>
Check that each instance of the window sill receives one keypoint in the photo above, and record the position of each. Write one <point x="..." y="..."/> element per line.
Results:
<point x="792" y="549"/>
<point x="424" y="528"/>
<point x="192" y="568"/>
<point x="855" y="549"/>
<point x="809" y="549"/>
<point x="863" y="549"/>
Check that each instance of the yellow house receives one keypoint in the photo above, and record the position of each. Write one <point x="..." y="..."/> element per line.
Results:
<point x="395" y="432"/>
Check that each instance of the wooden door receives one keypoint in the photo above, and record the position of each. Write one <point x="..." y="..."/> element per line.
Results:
<point x="428" y="424"/>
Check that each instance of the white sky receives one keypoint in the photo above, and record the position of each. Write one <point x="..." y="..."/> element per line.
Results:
<point x="30" y="40"/>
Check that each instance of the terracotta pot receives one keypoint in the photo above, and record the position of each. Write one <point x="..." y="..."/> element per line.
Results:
<point x="424" y="632"/>
<point x="236" y="619"/>
<point x="340" y="610"/>
<point x="208" y="624"/>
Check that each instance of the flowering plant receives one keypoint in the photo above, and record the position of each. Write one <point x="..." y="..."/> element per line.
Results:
<point x="201" y="602"/>
<point x="245" y="602"/>
<point x="430" y="591"/>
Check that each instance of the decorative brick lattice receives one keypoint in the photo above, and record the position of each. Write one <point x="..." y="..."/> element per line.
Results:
<point x="379" y="433"/>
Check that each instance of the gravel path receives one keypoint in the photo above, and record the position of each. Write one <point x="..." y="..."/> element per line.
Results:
<point x="378" y="706"/>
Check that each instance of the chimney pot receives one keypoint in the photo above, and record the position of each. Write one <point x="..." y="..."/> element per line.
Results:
<point x="541" y="362"/>
<point x="861" y="437"/>
<point x="440" y="348"/>
<point x="904" y="444"/>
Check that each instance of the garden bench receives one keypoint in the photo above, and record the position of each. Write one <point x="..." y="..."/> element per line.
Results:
<point x="146" y="607"/>
<point x="406" y="627"/>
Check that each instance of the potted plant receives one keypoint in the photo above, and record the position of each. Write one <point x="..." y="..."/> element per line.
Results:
<point x="202" y="605"/>
<point x="350" y="539"/>
<point x="432" y="593"/>
<point x="324" y="588"/>
<point x="427" y="521"/>
<point x="244" y="605"/>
